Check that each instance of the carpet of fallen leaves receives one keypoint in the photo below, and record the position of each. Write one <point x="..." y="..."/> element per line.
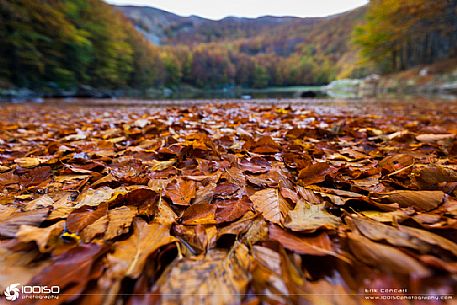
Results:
<point x="229" y="203"/>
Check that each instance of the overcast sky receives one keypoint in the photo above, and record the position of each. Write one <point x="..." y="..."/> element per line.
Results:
<point x="216" y="9"/>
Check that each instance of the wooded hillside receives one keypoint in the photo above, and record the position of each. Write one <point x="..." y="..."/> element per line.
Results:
<point x="52" y="46"/>
<point x="400" y="34"/>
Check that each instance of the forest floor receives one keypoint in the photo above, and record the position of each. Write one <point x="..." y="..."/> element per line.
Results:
<point x="235" y="203"/>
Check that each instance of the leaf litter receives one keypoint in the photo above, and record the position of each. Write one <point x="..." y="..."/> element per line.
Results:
<point x="228" y="204"/>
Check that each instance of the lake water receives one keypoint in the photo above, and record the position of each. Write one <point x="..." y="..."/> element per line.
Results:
<point x="249" y="93"/>
<point x="291" y="92"/>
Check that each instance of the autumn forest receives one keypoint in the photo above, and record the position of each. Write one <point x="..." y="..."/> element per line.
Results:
<point x="60" y="45"/>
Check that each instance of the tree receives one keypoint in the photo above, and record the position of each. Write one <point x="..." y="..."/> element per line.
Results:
<point x="399" y="34"/>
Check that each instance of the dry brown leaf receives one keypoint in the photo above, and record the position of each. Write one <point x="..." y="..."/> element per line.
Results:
<point x="377" y="231"/>
<point x="45" y="238"/>
<point x="164" y="214"/>
<point x="315" y="173"/>
<point x="130" y="255"/>
<point x="203" y="213"/>
<point x="271" y="204"/>
<point x="29" y="162"/>
<point x="196" y="239"/>
<point x="255" y="165"/>
<point x="429" y="176"/>
<point x="258" y="231"/>
<point x="181" y="192"/>
<point x="276" y="278"/>
<point x="85" y="216"/>
<point x="238" y="227"/>
<point x="419" y="200"/>
<point x="309" y="218"/>
<point x="384" y="257"/>
<point x="220" y="277"/>
<point x="394" y="216"/>
<point x="404" y="236"/>
<point x="433" y="239"/>
<point x="98" y="227"/>
<point x="161" y="165"/>
<point x="70" y="271"/>
<point x="435" y="137"/>
<point x="119" y="221"/>
<point x="94" y="197"/>
<point x="268" y="274"/>
<point x="40" y="203"/>
<point x="10" y="226"/>
<point x="230" y="210"/>
<point x="319" y="245"/>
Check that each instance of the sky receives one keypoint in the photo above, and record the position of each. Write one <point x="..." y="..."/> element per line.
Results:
<point x="217" y="9"/>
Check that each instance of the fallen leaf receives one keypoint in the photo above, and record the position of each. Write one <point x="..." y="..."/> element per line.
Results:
<point x="119" y="221"/>
<point x="396" y="162"/>
<point x="434" y="137"/>
<point x="438" y="263"/>
<point x="232" y="209"/>
<point x="8" y="178"/>
<point x="429" y="176"/>
<point x="181" y="192"/>
<point x="165" y="214"/>
<point x="379" y="232"/>
<point x="34" y="176"/>
<point x="266" y="145"/>
<point x="29" y="162"/>
<point x="161" y="165"/>
<point x="98" y="227"/>
<point x="276" y="278"/>
<point x="271" y="204"/>
<point x="255" y="165"/>
<point x="11" y="225"/>
<point x="220" y="277"/>
<point x="225" y="189"/>
<point x="319" y="245"/>
<point x="40" y="203"/>
<point x="419" y="200"/>
<point x="197" y="239"/>
<point x="315" y="173"/>
<point x="70" y="271"/>
<point x="384" y="257"/>
<point x="434" y="240"/>
<point x="405" y="236"/>
<point x="85" y="216"/>
<point x="130" y="255"/>
<point x="309" y="218"/>
<point x="94" y="197"/>
<point x="203" y="213"/>
<point x="45" y="238"/>
<point x="393" y="217"/>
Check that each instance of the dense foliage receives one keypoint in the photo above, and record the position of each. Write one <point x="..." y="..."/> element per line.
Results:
<point x="80" y="45"/>
<point x="266" y="51"/>
<point x="64" y="44"/>
<point x="86" y="44"/>
<point x="399" y="34"/>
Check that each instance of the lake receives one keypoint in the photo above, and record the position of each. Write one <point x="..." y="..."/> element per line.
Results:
<point x="240" y="93"/>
